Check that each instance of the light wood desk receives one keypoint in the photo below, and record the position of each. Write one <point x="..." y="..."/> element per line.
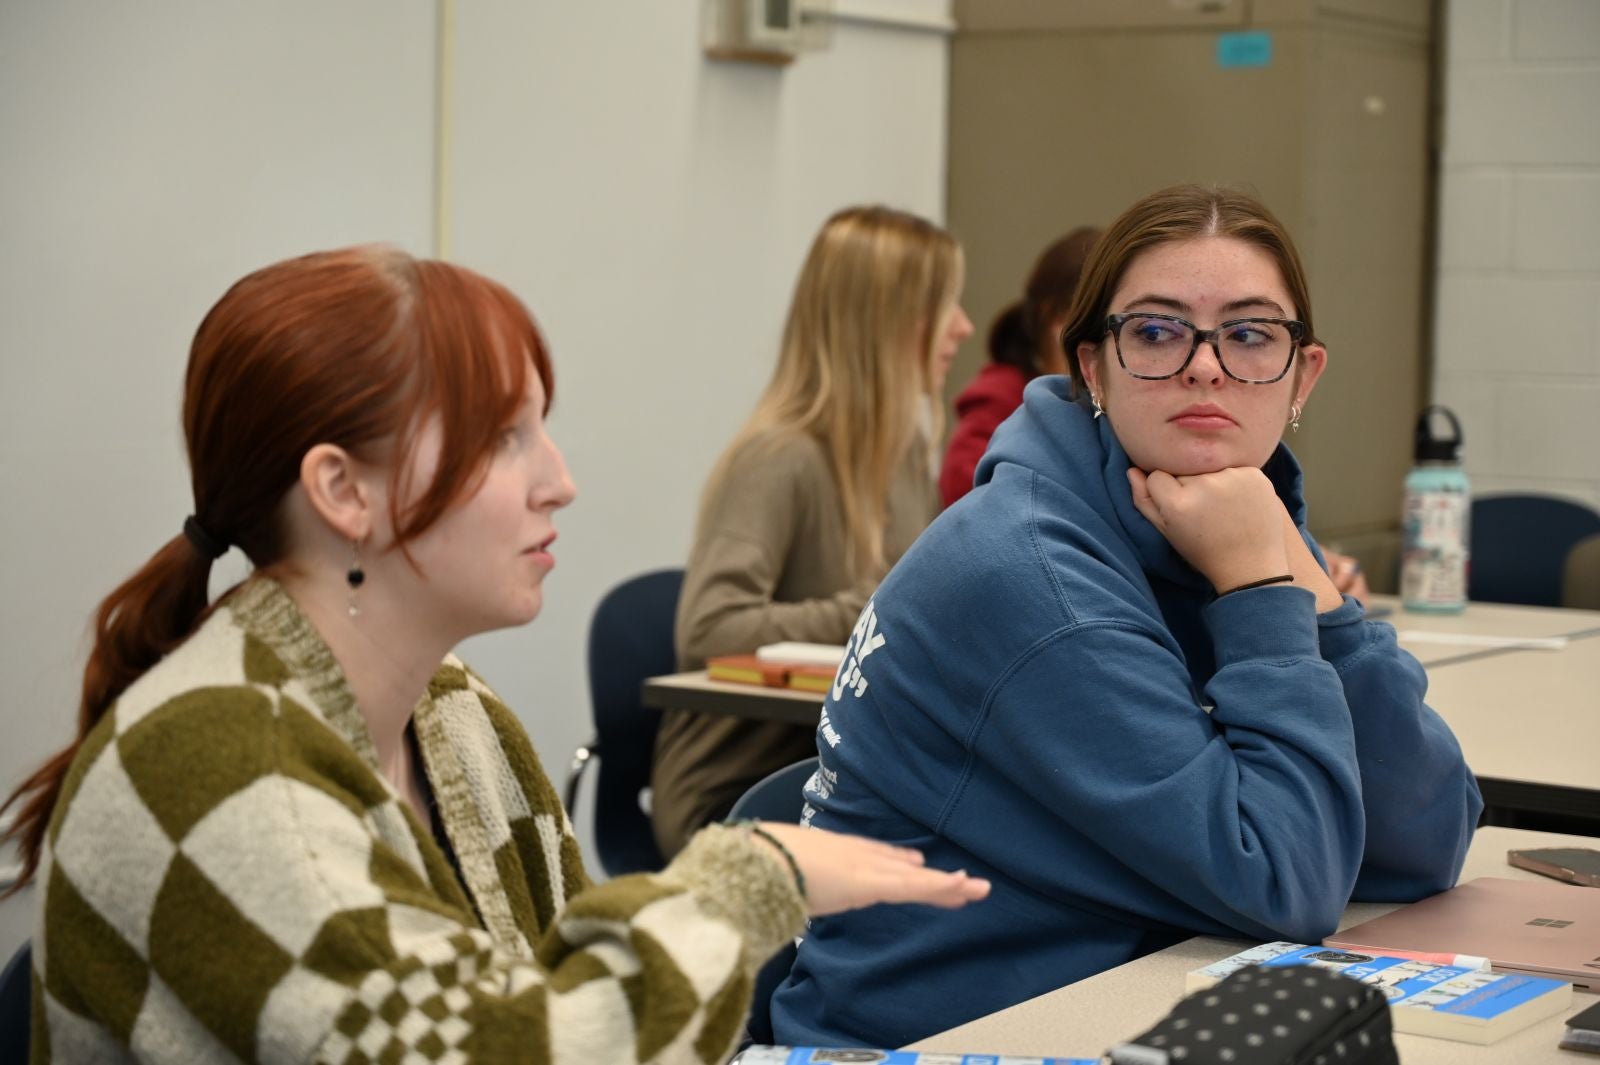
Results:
<point x="1529" y="725"/>
<point x="695" y="691"/>
<point x="1086" y="1018"/>
<point x="1481" y="620"/>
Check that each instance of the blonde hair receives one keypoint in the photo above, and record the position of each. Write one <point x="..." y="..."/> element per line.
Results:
<point x="855" y="370"/>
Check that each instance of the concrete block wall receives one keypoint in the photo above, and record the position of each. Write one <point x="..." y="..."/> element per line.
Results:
<point x="1517" y="327"/>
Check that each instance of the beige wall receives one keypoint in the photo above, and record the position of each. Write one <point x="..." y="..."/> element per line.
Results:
<point x="1062" y="115"/>
<point x="1517" y="335"/>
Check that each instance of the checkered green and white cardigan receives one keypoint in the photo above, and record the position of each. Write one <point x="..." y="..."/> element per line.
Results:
<point x="228" y="877"/>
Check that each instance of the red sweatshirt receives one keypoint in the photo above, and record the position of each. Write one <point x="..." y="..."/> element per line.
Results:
<point x="988" y="400"/>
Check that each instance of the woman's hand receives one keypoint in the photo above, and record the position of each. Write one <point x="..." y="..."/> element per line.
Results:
<point x="849" y="872"/>
<point x="1227" y="524"/>
<point x="1345" y="572"/>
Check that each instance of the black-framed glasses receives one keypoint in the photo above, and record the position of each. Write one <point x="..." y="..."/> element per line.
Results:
<point x="1255" y="351"/>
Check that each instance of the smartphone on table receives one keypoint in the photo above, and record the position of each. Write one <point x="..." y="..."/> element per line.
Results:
<point x="1575" y="865"/>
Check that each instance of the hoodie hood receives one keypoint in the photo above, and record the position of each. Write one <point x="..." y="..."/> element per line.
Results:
<point x="1060" y="440"/>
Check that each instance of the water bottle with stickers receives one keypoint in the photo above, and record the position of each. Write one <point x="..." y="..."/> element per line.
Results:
<point x="1438" y="508"/>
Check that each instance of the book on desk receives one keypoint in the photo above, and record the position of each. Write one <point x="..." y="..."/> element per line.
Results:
<point x="802" y="666"/>
<point x="1460" y="1002"/>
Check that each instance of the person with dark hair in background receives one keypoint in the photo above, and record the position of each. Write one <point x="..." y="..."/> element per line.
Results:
<point x="1024" y="342"/>
<point x="292" y="825"/>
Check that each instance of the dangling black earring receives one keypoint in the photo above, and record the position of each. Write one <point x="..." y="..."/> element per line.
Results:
<point x="355" y="576"/>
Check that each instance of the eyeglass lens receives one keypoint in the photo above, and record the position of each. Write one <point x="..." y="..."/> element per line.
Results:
<point x="1250" y="349"/>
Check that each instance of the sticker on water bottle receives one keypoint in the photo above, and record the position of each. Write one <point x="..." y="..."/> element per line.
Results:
<point x="1433" y="567"/>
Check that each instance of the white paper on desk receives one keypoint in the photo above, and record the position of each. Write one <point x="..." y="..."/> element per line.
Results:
<point x="1473" y="639"/>
<point x="802" y="654"/>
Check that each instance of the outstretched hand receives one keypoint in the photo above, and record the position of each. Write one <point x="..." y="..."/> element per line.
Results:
<point x="849" y="872"/>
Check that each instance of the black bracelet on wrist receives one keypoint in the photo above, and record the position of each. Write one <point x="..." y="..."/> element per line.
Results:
<point x="1282" y="578"/>
<point x="754" y="828"/>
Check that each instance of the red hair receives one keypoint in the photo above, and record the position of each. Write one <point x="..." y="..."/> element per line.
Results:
<point x="358" y="347"/>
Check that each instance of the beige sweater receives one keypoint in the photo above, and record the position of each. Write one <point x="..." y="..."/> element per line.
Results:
<point x="229" y="878"/>
<point x="767" y="564"/>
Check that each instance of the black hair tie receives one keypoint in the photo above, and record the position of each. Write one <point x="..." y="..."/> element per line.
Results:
<point x="1282" y="578"/>
<point x="208" y="545"/>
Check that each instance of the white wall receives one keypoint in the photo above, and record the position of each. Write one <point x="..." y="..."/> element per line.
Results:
<point x="650" y="206"/>
<point x="152" y="155"/>
<point x="653" y="209"/>
<point x="1518" y="316"/>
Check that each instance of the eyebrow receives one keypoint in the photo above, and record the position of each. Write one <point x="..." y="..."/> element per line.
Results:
<point x="1227" y="308"/>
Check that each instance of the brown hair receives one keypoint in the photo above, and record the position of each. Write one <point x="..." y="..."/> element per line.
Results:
<point x="1017" y="336"/>
<point x="1182" y="212"/>
<point x="357" y="347"/>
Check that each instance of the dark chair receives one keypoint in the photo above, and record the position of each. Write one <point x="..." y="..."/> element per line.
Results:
<point x="630" y="639"/>
<point x="775" y="797"/>
<point x="16" y="1005"/>
<point x="1520" y="545"/>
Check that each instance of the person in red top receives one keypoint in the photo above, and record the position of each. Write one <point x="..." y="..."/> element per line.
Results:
<point x="1024" y="342"/>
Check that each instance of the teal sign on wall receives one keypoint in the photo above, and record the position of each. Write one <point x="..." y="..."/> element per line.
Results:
<point x="1244" y="49"/>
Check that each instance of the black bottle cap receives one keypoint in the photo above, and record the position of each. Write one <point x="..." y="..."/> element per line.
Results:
<point x="1430" y="448"/>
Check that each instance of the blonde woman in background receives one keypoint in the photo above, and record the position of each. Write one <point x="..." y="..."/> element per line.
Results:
<point x="824" y="487"/>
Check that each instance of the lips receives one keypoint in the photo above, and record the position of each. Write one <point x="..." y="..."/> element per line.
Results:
<point x="1204" y="416"/>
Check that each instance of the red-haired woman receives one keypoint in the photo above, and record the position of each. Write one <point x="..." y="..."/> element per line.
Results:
<point x="293" y="826"/>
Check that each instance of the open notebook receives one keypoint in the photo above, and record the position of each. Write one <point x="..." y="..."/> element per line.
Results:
<point x="1538" y="927"/>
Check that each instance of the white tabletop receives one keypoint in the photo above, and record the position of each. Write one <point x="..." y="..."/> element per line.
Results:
<point x="1529" y="716"/>
<point x="1437" y="639"/>
<point x="1086" y="1018"/>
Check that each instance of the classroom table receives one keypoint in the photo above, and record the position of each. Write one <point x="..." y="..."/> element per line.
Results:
<point x="1088" y="1017"/>
<point x="1431" y="638"/>
<point x="1529" y="725"/>
<point x="1528" y="720"/>
<point x="695" y="691"/>
<point x="1481" y="629"/>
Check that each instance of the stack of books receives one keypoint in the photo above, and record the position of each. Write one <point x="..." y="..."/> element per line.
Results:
<point x="1467" y="1002"/>
<point x="804" y="666"/>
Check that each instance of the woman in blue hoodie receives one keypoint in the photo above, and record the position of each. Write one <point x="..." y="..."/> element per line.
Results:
<point x="1115" y="678"/>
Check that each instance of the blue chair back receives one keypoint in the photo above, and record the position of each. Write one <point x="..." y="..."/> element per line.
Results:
<point x="776" y="797"/>
<point x="16" y="1005"/>
<point x="630" y="639"/>
<point x="1520" y="545"/>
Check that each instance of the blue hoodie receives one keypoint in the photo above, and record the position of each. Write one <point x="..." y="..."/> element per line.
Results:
<point x="1044" y="693"/>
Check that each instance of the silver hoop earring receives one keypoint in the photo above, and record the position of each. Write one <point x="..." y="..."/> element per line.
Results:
<point x="1294" y="417"/>
<point x="1099" y="411"/>
<point x="355" y="576"/>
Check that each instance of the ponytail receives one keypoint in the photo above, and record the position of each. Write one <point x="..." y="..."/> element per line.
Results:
<point x="146" y="617"/>
<point x="1011" y="340"/>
